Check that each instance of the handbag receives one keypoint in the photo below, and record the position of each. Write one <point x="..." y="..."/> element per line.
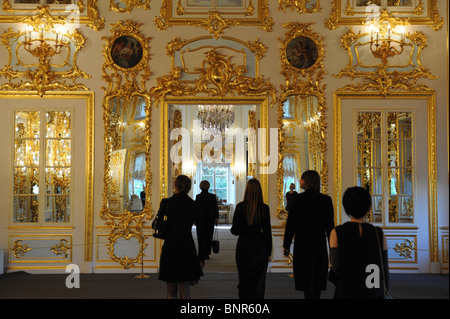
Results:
<point x="386" y="294"/>
<point x="159" y="224"/>
<point x="215" y="242"/>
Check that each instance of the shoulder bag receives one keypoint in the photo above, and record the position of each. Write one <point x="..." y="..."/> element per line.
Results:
<point x="159" y="224"/>
<point x="386" y="294"/>
<point x="215" y="242"/>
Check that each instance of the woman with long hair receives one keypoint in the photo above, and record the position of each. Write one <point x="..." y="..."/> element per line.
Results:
<point x="311" y="220"/>
<point x="251" y="222"/>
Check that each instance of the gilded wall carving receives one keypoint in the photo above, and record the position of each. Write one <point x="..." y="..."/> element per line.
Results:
<point x="127" y="122"/>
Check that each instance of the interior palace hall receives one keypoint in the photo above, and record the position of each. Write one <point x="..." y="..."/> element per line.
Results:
<point x="104" y="103"/>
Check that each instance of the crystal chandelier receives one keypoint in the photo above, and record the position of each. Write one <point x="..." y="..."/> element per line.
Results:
<point x="217" y="117"/>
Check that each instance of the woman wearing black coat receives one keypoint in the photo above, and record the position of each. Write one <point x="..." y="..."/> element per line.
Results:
<point x="208" y="214"/>
<point x="311" y="221"/>
<point x="179" y="264"/>
<point x="251" y="222"/>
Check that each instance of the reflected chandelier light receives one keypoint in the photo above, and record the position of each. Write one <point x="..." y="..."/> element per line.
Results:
<point x="217" y="117"/>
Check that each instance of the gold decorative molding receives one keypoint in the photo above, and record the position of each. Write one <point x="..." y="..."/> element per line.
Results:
<point x="215" y="24"/>
<point x="126" y="226"/>
<point x="302" y="6"/>
<point x="421" y="12"/>
<point x="19" y="249"/>
<point x="384" y="77"/>
<point x="215" y="18"/>
<point x="126" y="60"/>
<point x="42" y="41"/>
<point x="83" y="12"/>
<point x="128" y="5"/>
<point x="299" y="46"/>
<point x="405" y="249"/>
<point x="218" y="76"/>
<point x="62" y="248"/>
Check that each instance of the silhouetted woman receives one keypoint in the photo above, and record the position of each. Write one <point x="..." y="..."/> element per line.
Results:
<point x="356" y="245"/>
<point x="208" y="214"/>
<point x="251" y="222"/>
<point x="179" y="264"/>
<point x="310" y="219"/>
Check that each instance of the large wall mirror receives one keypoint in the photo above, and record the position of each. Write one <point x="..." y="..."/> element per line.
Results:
<point x="217" y="141"/>
<point x="127" y="181"/>
<point x="127" y="143"/>
<point x="302" y="143"/>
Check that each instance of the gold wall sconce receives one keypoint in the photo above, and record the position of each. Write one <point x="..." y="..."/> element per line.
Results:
<point x="387" y="36"/>
<point x="46" y="39"/>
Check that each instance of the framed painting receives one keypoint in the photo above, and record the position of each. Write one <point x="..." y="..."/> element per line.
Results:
<point x="301" y="52"/>
<point x="126" y="51"/>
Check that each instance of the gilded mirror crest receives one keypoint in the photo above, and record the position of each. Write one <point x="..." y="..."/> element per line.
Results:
<point x="214" y="15"/>
<point x="127" y="121"/>
<point x="356" y="12"/>
<point x="128" y="5"/>
<point x="44" y="55"/>
<point x="305" y="6"/>
<point x="218" y="74"/>
<point x="73" y="12"/>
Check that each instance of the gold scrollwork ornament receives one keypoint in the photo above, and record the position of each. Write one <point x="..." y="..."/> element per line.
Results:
<point x="44" y="75"/>
<point x="218" y="77"/>
<point x="129" y="5"/>
<point x="62" y="248"/>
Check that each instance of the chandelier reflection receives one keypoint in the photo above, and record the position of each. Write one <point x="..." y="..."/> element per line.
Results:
<point x="216" y="117"/>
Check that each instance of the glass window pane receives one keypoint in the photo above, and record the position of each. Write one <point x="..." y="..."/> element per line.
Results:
<point x="58" y="124"/>
<point x="58" y="152"/>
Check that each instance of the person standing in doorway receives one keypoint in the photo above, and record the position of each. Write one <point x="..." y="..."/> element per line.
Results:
<point x="290" y="196"/>
<point x="310" y="219"/>
<point x="208" y="215"/>
<point x="179" y="264"/>
<point x="251" y="222"/>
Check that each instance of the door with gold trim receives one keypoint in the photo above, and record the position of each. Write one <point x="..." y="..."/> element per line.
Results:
<point x="384" y="147"/>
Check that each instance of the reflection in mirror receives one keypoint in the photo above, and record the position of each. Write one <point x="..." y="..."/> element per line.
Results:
<point x="125" y="179"/>
<point x="302" y="143"/>
<point x="213" y="142"/>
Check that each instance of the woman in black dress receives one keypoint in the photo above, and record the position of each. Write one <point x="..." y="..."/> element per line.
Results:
<point x="354" y="246"/>
<point x="290" y="196"/>
<point x="207" y="218"/>
<point x="251" y="222"/>
<point x="179" y="264"/>
<point x="311" y="220"/>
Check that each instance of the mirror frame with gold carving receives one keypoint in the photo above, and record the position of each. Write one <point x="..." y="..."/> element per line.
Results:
<point x="421" y="12"/>
<point x="84" y="11"/>
<point x="303" y="91"/>
<point x="215" y="20"/>
<point x="123" y="85"/>
<point x="294" y="85"/>
<point x="127" y="6"/>
<point x="219" y="80"/>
